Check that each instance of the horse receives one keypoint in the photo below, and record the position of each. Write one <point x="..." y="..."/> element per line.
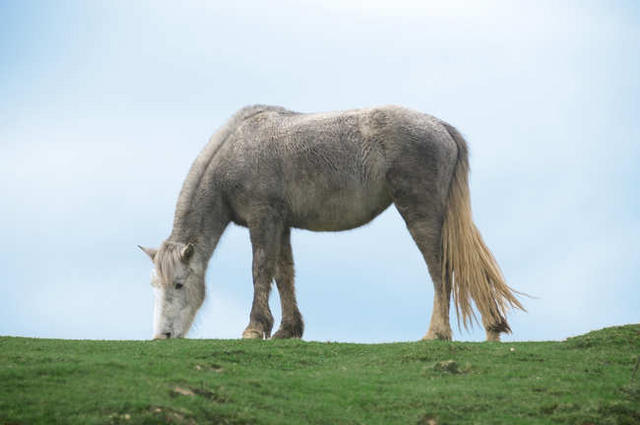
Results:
<point x="271" y="169"/>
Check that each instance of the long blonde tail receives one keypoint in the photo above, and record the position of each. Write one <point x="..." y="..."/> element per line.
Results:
<point x="467" y="264"/>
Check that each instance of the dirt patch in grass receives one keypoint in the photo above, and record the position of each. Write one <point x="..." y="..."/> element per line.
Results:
<point x="451" y="367"/>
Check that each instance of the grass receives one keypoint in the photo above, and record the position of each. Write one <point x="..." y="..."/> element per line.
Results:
<point x="584" y="380"/>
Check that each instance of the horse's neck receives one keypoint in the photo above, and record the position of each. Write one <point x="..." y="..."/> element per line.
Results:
<point x="202" y="223"/>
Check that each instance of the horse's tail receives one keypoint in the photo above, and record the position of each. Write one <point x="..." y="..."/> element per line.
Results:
<point x="468" y="266"/>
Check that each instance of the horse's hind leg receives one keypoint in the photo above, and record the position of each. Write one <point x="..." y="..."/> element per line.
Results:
<point x="425" y="229"/>
<point x="422" y="208"/>
<point x="265" y="232"/>
<point x="292" y="325"/>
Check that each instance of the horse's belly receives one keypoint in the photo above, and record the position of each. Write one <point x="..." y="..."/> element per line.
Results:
<point x="333" y="209"/>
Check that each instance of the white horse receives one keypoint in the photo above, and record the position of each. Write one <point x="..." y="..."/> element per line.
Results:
<point x="271" y="169"/>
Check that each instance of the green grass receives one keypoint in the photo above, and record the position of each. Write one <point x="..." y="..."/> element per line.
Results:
<point x="584" y="380"/>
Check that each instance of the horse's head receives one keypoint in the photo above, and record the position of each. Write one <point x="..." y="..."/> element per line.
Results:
<point x="178" y="286"/>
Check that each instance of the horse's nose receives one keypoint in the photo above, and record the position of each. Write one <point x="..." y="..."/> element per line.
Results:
<point x="165" y="335"/>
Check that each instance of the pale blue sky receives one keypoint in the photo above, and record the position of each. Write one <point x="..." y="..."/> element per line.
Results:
<point x="103" y="106"/>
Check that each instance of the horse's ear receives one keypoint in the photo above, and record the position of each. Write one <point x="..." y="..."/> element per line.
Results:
<point x="187" y="252"/>
<point x="149" y="251"/>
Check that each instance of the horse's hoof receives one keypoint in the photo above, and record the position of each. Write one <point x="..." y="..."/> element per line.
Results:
<point x="285" y="334"/>
<point x="252" y="334"/>
<point x="436" y="336"/>
<point x="289" y="329"/>
<point x="493" y="336"/>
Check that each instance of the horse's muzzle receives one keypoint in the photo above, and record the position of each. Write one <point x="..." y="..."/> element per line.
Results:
<point x="165" y="335"/>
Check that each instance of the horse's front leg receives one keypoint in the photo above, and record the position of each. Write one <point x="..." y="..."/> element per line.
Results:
<point x="265" y="241"/>
<point x="292" y="325"/>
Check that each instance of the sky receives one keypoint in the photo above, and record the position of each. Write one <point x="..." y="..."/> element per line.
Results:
<point x="104" y="105"/>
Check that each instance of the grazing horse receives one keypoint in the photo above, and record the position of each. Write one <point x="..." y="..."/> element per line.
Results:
<point x="270" y="169"/>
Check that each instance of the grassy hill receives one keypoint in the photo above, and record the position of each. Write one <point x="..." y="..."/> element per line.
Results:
<point x="584" y="380"/>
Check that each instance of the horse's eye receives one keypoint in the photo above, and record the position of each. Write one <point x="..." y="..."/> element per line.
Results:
<point x="179" y="285"/>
